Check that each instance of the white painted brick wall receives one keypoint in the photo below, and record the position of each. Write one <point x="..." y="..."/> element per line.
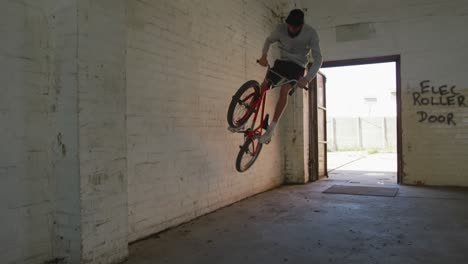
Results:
<point x="53" y="206"/>
<point x="431" y="38"/>
<point x="185" y="61"/>
<point x="64" y="98"/>
<point x="102" y="130"/>
<point x="39" y="132"/>
<point x="182" y="69"/>
<point x="64" y="199"/>
<point x="294" y="136"/>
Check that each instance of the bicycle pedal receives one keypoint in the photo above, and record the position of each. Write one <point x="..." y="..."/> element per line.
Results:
<point x="236" y="130"/>
<point x="245" y="150"/>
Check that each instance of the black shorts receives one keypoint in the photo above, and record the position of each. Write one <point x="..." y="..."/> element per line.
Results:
<point x="287" y="69"/>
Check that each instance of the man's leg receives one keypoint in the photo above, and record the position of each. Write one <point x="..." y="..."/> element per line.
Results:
<point x="279" y="109"/>
<point x="282" y="102"/>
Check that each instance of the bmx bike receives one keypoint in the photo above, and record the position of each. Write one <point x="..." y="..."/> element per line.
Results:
<point x="250" y="99"/>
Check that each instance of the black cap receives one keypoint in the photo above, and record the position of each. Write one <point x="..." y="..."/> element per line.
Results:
<point x="295" y="18"/>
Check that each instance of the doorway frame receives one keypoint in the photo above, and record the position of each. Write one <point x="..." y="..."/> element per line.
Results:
<point x="375" y="60"/>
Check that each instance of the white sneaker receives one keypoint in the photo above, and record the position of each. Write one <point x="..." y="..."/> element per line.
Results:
<point x="266" y="138"/>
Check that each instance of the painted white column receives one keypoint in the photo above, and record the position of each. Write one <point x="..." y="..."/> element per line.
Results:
<point x="102" y="43"/>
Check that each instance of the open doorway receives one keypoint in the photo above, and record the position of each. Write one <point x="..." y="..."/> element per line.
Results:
<point x="363" y="120"/>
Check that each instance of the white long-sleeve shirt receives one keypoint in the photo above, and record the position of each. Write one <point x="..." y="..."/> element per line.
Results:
<point x="297" y="49"/>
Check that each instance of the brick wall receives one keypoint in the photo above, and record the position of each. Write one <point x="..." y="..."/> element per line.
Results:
<point x="61" y="200"/>
<point x="38" y="161"/>
<point x="102" y="129"/>
<point x="295" y="138"/>
<point x="100" y="106"/>
<point x="185" y="61"/>
<point x="430" y="37"/>
<point x="64" y="153"/>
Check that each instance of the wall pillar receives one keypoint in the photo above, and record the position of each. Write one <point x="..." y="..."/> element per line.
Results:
<point x="102" y="43"/>
<point x="293" y="125"/>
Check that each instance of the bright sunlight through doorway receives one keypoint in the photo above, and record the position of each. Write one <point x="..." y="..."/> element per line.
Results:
<point x="362" y="123"/>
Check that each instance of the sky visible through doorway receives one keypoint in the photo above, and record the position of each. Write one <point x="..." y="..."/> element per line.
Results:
<point x="361" y="90"/>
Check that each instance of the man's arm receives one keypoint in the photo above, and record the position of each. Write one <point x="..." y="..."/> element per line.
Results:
<point x="316" y="55"/>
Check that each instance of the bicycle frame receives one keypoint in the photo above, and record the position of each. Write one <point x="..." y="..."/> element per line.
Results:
<point x="253" y="103"/>
<point x="260" y="105"/>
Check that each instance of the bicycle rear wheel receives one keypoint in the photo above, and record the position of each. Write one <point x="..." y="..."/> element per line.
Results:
<point x="248" y="154"/>
<point x="242" y="104"/>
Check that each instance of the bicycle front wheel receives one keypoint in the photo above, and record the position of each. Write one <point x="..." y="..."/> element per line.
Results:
<point x="248" y="154"/>
<point x="242" y="104"/>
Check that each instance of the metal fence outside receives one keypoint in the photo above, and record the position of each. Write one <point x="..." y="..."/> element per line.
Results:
<point x="357" y="133"/>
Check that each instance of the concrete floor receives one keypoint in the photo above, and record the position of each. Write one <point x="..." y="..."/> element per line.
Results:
<point x="300" y="224"/>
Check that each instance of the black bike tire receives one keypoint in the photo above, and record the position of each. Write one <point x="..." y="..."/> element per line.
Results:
<point x="242" y="152"/>
<point x="235" y="99"/>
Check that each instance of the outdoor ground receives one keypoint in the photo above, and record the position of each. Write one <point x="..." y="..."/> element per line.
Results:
<point x="362" y="167"/>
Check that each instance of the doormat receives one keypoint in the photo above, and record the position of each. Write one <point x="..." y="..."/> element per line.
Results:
<point x="362" y="190"/>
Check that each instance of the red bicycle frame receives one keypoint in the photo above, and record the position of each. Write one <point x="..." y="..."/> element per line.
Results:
<point x="256" y="105"/>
